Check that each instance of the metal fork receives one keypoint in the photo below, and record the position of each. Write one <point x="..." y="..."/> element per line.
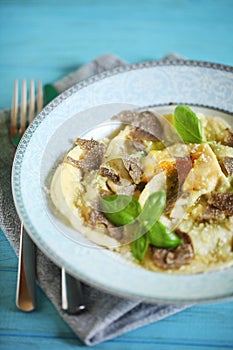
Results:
<point x="21" y="117"/>
<point x="72" y="296"/>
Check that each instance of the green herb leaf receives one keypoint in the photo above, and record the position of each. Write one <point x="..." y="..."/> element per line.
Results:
<point x="140" y="244"/>
<point x="161" y="237"/>
<point x="153" y="208"/>
<point x="120" y="209"/>
<point x="188" y="125"/>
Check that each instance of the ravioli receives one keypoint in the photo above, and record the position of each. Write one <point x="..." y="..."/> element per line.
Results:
<point x="147" y="156"/>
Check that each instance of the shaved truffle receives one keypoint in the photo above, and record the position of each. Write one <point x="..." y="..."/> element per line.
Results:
<point x="212" y="213"/>
<point x="177" y="200"/>
<point x="92" y="157"/>
<point x="110" y="173"/>
<point x="133" y="166"/>
<point x="227" y="165"/>
<point x="145" y="120"/>
<point x="183" y="167"/>
<point x="97" y="217"/>
<point x="139" y="134"/>
<point x="86" y="144"/>
<point x="228" y="141"/>
<point x="223" y="202"/>
<point x="115" y="171"/>
<point x="175" y="257"/>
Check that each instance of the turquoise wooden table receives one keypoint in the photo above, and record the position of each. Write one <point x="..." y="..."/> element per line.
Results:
<point x="47" y="39"/>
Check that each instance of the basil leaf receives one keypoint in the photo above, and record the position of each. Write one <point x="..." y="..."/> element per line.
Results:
<point x="153" y="208"/>
<point x="140" y="244"/>
<point x="120" y="209"/>
<point x="161" y="237"/>
<point x="188" y="125"/>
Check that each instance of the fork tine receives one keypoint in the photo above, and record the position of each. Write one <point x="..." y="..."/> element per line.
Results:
<point x="31" y="101"/>
<point x="23" y="107"/>
<point x="22" y="116"/>
<point x="14" y="109"/>
<point x="25" y="292"/>
<point x="40" y="101"/>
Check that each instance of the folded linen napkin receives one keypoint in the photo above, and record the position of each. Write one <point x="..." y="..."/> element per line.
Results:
<point x="107" y="316"/>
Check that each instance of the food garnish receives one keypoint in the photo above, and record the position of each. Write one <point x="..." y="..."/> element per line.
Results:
<point x="188" y="125"/>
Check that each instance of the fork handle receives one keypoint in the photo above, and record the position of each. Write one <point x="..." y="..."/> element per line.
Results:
<point x="26" y="291"/>
<point x="72" y="295"/>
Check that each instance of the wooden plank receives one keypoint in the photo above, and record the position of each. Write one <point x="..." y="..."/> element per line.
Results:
<point x="202" y="326"/>
<point x="47" y="40"/>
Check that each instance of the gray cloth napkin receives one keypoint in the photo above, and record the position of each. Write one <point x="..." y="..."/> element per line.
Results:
<point x="107" y="316"/>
